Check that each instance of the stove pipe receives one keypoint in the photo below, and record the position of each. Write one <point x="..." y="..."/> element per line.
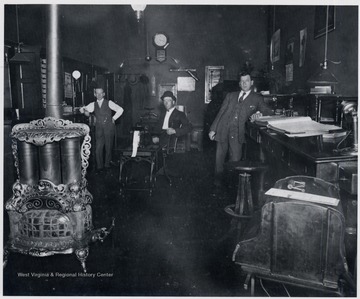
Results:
<point x="54" y="90"/>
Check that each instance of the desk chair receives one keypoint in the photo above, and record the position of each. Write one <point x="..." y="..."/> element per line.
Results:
<point x="297" y="242"/>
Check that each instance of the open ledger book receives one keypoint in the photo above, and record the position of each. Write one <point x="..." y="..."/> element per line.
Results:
<point x="302" y="126"/>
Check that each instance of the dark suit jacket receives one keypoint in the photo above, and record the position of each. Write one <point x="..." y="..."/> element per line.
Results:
<point x="252" y="103"/>
<point x="177" y="121"/>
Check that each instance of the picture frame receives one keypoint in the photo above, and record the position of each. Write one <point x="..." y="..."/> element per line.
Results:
<point x="320" y="20"/>
<point x="213" y="76"/>
<point x="289" y="53"/>
<point x="167" y="87"/>
<point x="275" y="47"/>
<point x="302" y="42"/>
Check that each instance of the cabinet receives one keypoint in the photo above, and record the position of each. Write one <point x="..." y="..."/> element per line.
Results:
<point x="25" y="85"/>
<point x="281" y="103"/>
<point x="28" y="82"/>
<point x="327" y="107"/>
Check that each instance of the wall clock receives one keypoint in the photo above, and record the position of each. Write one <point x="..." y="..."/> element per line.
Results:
<point x="161" y="42"/>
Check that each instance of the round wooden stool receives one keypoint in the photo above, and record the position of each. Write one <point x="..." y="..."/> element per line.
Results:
<point x="243" y="208"/>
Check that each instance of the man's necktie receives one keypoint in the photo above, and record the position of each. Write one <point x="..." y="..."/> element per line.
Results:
<point x="242" y="97"/>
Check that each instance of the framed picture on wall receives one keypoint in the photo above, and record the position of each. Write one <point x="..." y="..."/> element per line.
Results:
<point x="68" y="86"/>
<point x="303" y="40"/>
<point x="320" y="20"/>
<point x="289" y="54"/>
<point x="275" y="47"/>
<point x="213" y="75"/>
<point x="167" y="87"/>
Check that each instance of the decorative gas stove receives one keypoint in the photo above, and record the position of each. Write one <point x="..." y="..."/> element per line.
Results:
<point x="50" y="209"/>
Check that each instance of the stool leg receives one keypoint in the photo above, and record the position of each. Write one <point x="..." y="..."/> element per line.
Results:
<point x="249" y="195"/>
<point x="239" y="196"/>
<point x="246" y="283"/>
<point x="242" y="185"/>
<point x="239" y="205"/>
<point x="238" y="230"/>
<point x="250" y="277"/>
<point x="252" y="285"/>
<point x="261" y="188"/>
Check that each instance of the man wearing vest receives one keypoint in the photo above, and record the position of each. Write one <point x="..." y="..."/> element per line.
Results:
<point x="228" y="128"/>
<point x="104" y="126"/>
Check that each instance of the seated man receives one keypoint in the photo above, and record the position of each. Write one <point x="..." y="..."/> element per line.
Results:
<point x="172" y="123"/>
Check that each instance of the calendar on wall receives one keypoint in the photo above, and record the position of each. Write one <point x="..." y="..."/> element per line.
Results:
<point x="213" y="75"/>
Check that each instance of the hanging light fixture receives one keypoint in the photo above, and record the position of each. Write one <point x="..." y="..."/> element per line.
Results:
<point x="324" y="76"/>
<point x="18" y="57"/>
<point x="76" y="75"/>
<point x="139" y="10"/>
<point x="147" y="56"/>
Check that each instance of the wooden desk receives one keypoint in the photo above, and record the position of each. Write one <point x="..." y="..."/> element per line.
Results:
<point x="153" y="155"/>
<point x="306" y="155"/>
<point x="312" y="156"/>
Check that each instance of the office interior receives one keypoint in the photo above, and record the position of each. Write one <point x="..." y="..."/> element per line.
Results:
<point x="174" y="233"/>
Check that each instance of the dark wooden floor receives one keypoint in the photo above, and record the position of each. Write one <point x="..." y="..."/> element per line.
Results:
<point x="175" y="243"/>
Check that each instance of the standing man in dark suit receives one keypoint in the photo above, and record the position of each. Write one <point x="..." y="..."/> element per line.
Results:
<point x="172" y="123"/>
<point x="228" y="128"/>
<point x="104" y="126"/>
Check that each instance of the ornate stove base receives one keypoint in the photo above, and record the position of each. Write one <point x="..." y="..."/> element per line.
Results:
<point x="81" y="252"/>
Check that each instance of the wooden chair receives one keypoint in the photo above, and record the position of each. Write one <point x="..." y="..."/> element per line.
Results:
<point x="295" y="241"/>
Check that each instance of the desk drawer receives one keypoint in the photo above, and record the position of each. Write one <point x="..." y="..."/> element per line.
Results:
<point x="254" y="134"/>
<point x="299" y="165"/>
<point x="348" y="177"/>
<point x="279" y="151"/>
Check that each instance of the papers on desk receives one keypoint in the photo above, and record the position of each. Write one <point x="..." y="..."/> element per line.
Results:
<point x="302" y="126"/>
<point x="264" y="120"/>
<point x="303" y="196"/>
<point x="135" y="144"/>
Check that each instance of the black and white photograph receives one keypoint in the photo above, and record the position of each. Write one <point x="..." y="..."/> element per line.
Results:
<point x="172" y="149"/>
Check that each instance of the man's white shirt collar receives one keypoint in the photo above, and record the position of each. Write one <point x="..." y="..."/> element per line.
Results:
<point x="170" y="110"/>
<point x="166" y="118"/>
<point x="245" y="93"/>
<point x="99" y="102"/>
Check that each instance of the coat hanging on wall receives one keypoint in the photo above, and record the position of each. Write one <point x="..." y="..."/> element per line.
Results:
<point x="144" y="80"/>
<point x="127" y="117"/>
